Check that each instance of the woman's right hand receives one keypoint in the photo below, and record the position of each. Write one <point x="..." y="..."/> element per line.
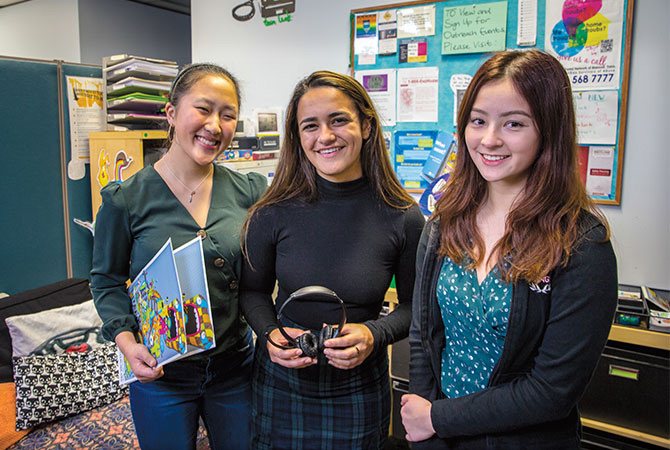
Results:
<point x="291" y="358"/>
<point x="142" y="363"/>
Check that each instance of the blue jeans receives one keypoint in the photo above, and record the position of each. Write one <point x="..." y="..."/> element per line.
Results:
<point x="166" y="412"/>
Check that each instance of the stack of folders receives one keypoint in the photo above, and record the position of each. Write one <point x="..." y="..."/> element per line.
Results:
<point x="631" y="308"/>
<point x="643" y="307"/>
<point x="659" y="309"/>
<point x="136" y="90"/>
<point x="630" y="299"/>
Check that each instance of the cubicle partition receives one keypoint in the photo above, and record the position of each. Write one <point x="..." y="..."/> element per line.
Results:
<point x="39" y="241"/>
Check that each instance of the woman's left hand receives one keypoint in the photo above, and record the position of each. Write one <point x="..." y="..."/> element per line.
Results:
<point x="415" y="413"/>
<point x="351" y="347"/>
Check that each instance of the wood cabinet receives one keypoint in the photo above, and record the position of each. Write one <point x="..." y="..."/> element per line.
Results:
<point x="116" y="155"/>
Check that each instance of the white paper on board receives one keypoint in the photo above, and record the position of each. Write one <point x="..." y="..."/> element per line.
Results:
<point x="418" y="94"/>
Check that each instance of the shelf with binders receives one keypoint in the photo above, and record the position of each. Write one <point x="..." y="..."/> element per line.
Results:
<point x="136" y="90"/>
<point x="137" y="102"/>
<point x="142" y="68"/>
<point x="135" y="118"/>
<point x="132" y="85"/>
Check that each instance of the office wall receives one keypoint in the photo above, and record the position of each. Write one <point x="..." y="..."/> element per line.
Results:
<point x="270" y="60"/>
<point x="641" y="225"/>
<point x="111" y="27"/>
<point x="84" y="31"/>
<point x="32" y="234"/>
<point x="41" y="29"/>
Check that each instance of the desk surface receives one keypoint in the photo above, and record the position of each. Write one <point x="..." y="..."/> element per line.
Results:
<point x="626" y="432"/>
<point x="638" y="336"/>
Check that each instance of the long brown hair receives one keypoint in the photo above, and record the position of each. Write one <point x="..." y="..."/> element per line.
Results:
<point x="541" y="228"/>
<point x="295" y="177"/>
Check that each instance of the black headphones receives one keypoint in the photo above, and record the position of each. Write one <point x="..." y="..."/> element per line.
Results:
<point x="310" y="344"/>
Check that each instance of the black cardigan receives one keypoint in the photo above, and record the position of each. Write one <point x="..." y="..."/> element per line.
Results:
<point x="556" y="333"/>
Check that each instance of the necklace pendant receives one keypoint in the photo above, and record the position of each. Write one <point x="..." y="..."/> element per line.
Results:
<point x="192" y="191"/>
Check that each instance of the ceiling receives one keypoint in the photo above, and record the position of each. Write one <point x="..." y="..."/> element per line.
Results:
<point x="180" y="6"/>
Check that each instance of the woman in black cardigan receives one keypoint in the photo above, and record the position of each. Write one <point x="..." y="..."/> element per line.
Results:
<point x="516" y="278"/>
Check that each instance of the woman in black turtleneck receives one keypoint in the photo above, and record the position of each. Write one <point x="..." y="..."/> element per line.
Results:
<point x="335" y="216"/>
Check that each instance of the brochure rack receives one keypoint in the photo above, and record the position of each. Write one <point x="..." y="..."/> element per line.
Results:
<point x="136" y="91"/>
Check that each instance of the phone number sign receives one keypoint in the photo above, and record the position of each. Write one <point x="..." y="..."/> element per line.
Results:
<point x="586" y="37"/>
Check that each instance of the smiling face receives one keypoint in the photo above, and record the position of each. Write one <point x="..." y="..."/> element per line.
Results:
<point x="331" y="133"/>
<point x="204" y="120"/>
<point x="501" y="135"/>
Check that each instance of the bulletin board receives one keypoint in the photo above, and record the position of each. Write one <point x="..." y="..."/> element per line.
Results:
<point x="593" y="42"/>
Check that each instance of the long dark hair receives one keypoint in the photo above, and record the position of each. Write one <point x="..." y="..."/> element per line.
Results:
<point x="295" y="177"/>
<point x="541" y="228"/>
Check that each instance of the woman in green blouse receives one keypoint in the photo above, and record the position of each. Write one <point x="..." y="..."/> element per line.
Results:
<point x="182" y="196"/>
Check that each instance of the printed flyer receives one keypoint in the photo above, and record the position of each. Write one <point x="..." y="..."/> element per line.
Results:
<point x="412" y="149"/>
<point x="586" y="36"/>
<point x="84" y="99"/>
<point x="381" y="85"/>
<point x="418" y="94"/>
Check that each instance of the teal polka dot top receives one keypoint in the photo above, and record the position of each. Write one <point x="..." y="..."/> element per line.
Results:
<point x="475" y="323"/>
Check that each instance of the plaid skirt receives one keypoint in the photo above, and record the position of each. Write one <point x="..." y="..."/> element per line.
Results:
<point x="320" y="407"/>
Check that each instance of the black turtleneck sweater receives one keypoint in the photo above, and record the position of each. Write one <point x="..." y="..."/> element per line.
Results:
<point x="348" y="241"/>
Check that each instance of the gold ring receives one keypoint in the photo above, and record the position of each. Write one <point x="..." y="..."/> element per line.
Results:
<point x="358" y="352"/>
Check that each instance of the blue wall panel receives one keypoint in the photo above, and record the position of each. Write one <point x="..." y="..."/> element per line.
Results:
<point x="32" y="230"/>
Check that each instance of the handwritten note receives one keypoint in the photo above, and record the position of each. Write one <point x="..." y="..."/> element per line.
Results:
<point x="596" y="114"/>
<point x="475" y="28"/>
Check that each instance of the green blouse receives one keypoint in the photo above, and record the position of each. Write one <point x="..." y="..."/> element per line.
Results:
<point x="135" y="220"/>
<point x="475" y="320"/>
